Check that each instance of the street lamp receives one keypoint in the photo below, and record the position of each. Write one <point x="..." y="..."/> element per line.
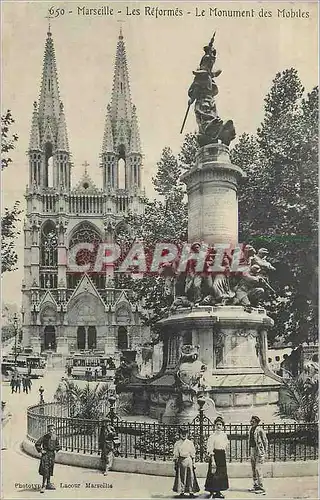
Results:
<point x="112" y="400"/>
<point x="41" y="391"/>
<point x="16" y="329"/>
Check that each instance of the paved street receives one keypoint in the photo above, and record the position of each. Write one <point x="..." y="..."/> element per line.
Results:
<point x="20" y="472"/>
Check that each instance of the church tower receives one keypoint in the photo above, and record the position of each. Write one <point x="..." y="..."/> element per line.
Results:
<point x="121" y="148"/>
<point x="49" y="155"/>
<point x="66" y="309"/>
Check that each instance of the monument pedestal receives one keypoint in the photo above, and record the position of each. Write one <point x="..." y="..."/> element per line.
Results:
<point x="233" y="346"/>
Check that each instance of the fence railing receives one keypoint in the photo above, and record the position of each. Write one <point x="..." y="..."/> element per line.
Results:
<point x="154" y="441"/>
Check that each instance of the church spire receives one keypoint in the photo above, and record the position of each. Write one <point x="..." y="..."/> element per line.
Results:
<point x="49" y="148"/>
<point x="34" y="144"/>
<point x="121" y="107"/>
<point x="121" y="141"/>
<point x="49" y="102"/>
<point x="62" y="136"/>
<point x="107" y="144"/>
<point x="135" y="145"/>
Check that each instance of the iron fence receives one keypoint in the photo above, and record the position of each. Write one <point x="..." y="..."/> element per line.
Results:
<point x="154" y="441"/>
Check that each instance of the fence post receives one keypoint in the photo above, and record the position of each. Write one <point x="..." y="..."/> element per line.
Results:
<point x="201" y="402"/>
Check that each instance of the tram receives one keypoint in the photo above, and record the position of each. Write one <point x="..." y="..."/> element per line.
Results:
<point x="91" y="366"/>
<point x="25" y="364"/>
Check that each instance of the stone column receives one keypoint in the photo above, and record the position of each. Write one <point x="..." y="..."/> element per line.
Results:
<point x="212" y="196"/>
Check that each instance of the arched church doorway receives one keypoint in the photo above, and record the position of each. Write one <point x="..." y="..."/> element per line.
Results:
<point x="122" y="338"/>
<point x="92" y="337"/>
<point x="81" y="337"/>
<point x="50" y="338"/>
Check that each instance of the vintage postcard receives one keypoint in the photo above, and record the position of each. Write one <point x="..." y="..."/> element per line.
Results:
<point x="159" y="249"/>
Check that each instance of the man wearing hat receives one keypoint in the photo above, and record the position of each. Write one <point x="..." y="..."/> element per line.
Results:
<point x="47" y="445"/>
<point x="258" y="444"/>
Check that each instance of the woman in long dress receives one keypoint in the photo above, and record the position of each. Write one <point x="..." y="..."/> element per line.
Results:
<point x="184" y="454"/>
<point x="217" y="476"/>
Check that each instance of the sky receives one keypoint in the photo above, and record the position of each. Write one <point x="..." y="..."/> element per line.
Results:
<point x="161" y="52"/>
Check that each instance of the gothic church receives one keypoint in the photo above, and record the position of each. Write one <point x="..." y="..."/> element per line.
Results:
<point x="64" y="311"/>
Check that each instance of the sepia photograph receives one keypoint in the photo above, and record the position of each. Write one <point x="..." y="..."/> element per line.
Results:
<point x="159" y="249"/>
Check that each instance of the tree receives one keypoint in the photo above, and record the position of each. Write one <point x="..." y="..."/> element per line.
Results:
<point x="163" y="221"/>
<point x="278" y="204"/>
<point x="9" y="233"/>
<point x="188" y="152"/>
<point x="7" y="139"/>
<point x="11" y="216"/>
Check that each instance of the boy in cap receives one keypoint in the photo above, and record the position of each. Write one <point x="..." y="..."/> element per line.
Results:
<point x="258" y="444"/>
<point x="47" y="445"/>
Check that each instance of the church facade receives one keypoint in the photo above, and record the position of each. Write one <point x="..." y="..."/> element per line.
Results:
<point x="65" y="311"/>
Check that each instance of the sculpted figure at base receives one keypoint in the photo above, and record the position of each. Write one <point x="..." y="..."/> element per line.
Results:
<point x="190" y="371"/>
<point x="125" y="372"/>
<point x="218" y="285"/>
<point x="250" y="291"/>
<point x="260" y="260"/>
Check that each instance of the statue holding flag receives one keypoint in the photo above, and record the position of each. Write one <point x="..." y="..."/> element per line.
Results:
<point x="202" y="92"/>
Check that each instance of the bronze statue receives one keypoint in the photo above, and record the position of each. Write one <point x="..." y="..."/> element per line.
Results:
<point x="202" y="91"/>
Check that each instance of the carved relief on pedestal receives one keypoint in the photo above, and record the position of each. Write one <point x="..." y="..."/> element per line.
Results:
<point x="240" y="349"/>
<point x="218" y="346"/>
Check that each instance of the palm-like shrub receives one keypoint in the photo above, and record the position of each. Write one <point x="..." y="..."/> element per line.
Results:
<point x="84" y="404"/>
<point x="302" y="400"/>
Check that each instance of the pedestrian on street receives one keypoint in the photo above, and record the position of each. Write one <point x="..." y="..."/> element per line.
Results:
<point x="96" y="374"/>
<point x="18" y="383"/>
<point x="28" y="383"/>
<point x="13" y="383"/>
<point x="47" y="445"/>
<point x="217" y="476"/>
<point x="107" y="437"/>
<point x="258" y="444"/>
<point x="184" y="454"/>
<point x="5" y="419"/>
<point x="24" y="384"/>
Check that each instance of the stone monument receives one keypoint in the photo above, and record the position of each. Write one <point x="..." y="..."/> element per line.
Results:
<point x="215" y="336"/>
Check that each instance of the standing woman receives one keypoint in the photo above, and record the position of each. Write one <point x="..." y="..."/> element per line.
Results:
<point x="184" y="454"/>
<point x="217" y="476"/>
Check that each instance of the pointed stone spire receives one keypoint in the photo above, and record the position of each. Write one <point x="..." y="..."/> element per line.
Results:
<point x="121" y="107"/>
<point x="34" y="144"/>
<point x="48" y="130"/>
<point x="135" y="144"/>
<point x="62" y="137"/>
<point x="49" y="101"/>
<point x="107" y="144"/>
<point x="121" y="140"/>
